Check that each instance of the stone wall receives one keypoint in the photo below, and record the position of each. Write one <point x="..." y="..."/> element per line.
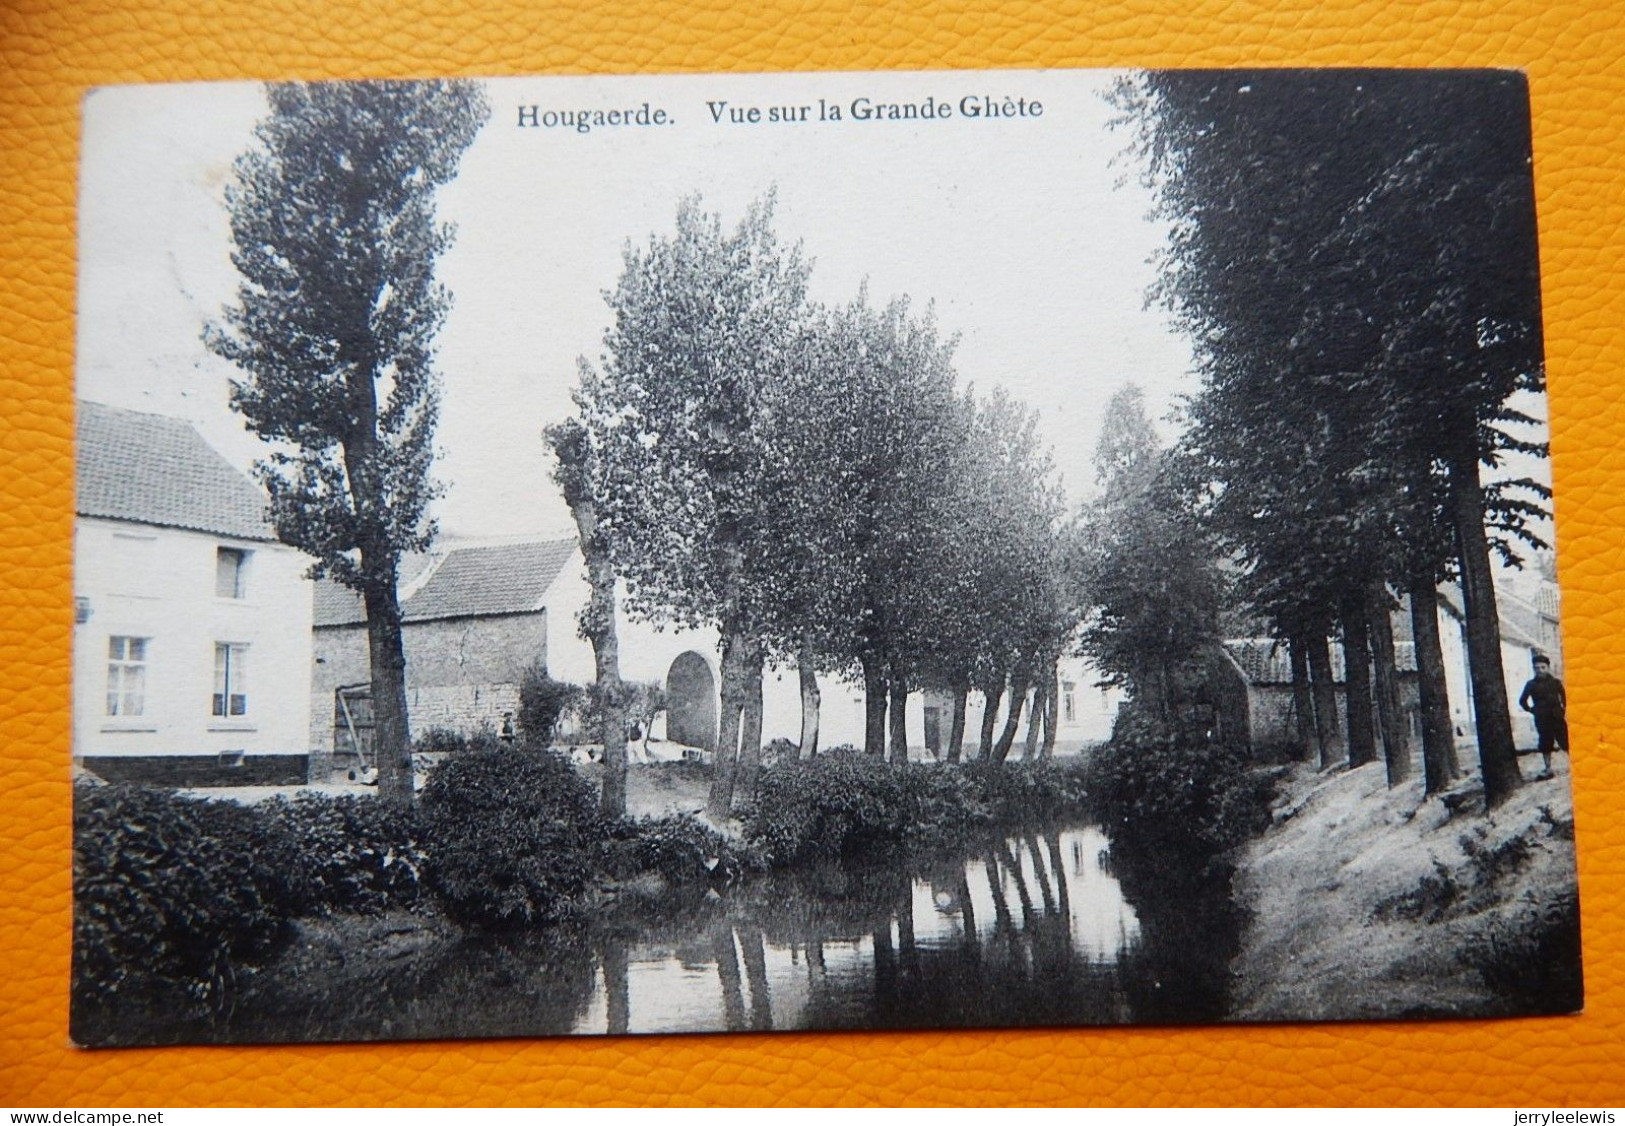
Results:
<point x="464" y="708"/>
<point x="460" y="672"/>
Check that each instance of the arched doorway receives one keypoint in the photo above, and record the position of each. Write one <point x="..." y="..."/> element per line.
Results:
<point x="691" y="702"/>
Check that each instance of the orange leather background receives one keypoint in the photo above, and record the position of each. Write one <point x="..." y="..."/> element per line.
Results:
<point x="51" y="50"/>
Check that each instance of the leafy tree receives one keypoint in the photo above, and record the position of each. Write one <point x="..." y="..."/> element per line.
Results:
<point x="1148" y="569"/>
<point x="542" y="701"/>
<point x="335" y="238"/>
<point x="704" y="324"/>
<point x="1354" y="258"/>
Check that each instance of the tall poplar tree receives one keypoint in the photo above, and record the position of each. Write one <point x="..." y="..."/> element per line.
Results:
<point x="335" y="238"/>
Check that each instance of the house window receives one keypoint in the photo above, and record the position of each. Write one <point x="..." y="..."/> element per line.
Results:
<point x="126" y="675"/>
<point x="230" y="680"/>
<point x="230" y="572"/>
<point x="1069" y="702"/>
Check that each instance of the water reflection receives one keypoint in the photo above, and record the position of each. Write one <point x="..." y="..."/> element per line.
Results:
<point x="1024" y="929"/>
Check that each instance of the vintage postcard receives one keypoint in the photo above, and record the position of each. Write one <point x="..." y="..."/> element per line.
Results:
<point x="814" y="551"/>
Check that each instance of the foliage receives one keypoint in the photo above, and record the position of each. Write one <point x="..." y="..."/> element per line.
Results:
<point x="780" y="750"/>
<point x="1030" y="791"/>
<point x="162" y="907"/>
<point x="174" y="893"/>
<point x="1152" y="586"/>
<point x="1205" y="796"/>
<point x="343" y="854"/>
<point x="439" y="741"/>
<point x="513" y="831"/>
<point x="830" y="806"/>
<point x="542" y="701"/>
<point x="335" y="240"/>
<point x="685" y="850"/>
<point x="842" y="802"/>
<point x="1532" y="960"/>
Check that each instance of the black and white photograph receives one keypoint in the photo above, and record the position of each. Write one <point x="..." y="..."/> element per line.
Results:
<point x="751" y="553"/>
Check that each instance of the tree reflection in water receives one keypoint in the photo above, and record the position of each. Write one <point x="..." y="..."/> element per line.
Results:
<point x="1051" y="927"/>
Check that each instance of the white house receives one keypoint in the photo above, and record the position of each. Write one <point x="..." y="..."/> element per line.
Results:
<point x="688" y="662"/>
<point x="192" y="636"/>
<point x="1528" y="628"/>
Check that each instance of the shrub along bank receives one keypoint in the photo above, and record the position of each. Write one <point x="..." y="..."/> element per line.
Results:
<point x="845" y="803"/>
<point x="176" y="897"/>
<point x="1188" y="796"/>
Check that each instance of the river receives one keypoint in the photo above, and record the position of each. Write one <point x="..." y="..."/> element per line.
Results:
<point x="1022" y="928"/>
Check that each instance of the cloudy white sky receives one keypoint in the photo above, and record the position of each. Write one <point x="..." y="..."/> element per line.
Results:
<point x="1022" y="231"/>
<point x="1031" y="236"/>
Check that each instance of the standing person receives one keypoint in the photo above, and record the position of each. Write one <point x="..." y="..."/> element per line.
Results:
<point x="1543" y="697"/>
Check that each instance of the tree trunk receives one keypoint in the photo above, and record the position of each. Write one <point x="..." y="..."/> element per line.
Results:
<point x="750" y="728"/>
<point x="956" y="727"/>
<point x="598" y="623"/>
<point x="874" y="706"/>
<point x="1303" y="703"/>
<point x="990" y="718"/>
<point x="967" y="912"/>
<point x="1357" y="683"/>
<point x="761" y="1002"/>
<point x="1018" y="699"/>
<point x="1438" y="734"/>
<point x="392" y="735"/>
<point x="617" y="990"/>
<point x="899" y="716"/>
<point x="1052" y="713"/>
<point x="725" y="764"/>
<point x="1035" y="721"/>
<point x="1497" y="754"/>
<point x="810" y="699"/>
<point x="1396" y="740"/>
<point x="733" y="993"/>
<point x="1328" y="734"/>
<point x="380" y="563"/>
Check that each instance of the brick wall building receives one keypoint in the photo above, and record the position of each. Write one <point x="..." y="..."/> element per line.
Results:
<point x="474" y="618"/>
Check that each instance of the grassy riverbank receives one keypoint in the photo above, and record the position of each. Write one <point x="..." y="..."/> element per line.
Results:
<point x="1369" y="902"/>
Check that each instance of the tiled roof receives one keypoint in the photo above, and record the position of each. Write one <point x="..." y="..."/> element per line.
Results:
<point x="337" y="605"/>
<point x="1520" y="622"/>
<point x="465" y="582"/>
<point x="1263" y="660"/>
<point x="151" y="469"/>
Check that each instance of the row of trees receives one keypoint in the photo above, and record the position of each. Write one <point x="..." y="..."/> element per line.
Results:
<point x="808" y="481"/>
<point x="1353" y="256"/>
<point x="811" y="483"/>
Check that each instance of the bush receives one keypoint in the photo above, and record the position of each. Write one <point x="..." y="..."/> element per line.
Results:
<point x="1192" y="793"/>
<point x="542" y="701"/>
<point x="1531" y="960"/>
<point x="1030" y="791"/>
<point x="831" y="805"/>
<point x="439" y="741"/>
<point x="685" y="850"/>
<point x="943" y="803"/>
<point x="513" y="834"/>
<point x="442" y="741"/>
<point x="780" y="750"/>
<point x="348" y="854"/>
<point x="165" y="899"/>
